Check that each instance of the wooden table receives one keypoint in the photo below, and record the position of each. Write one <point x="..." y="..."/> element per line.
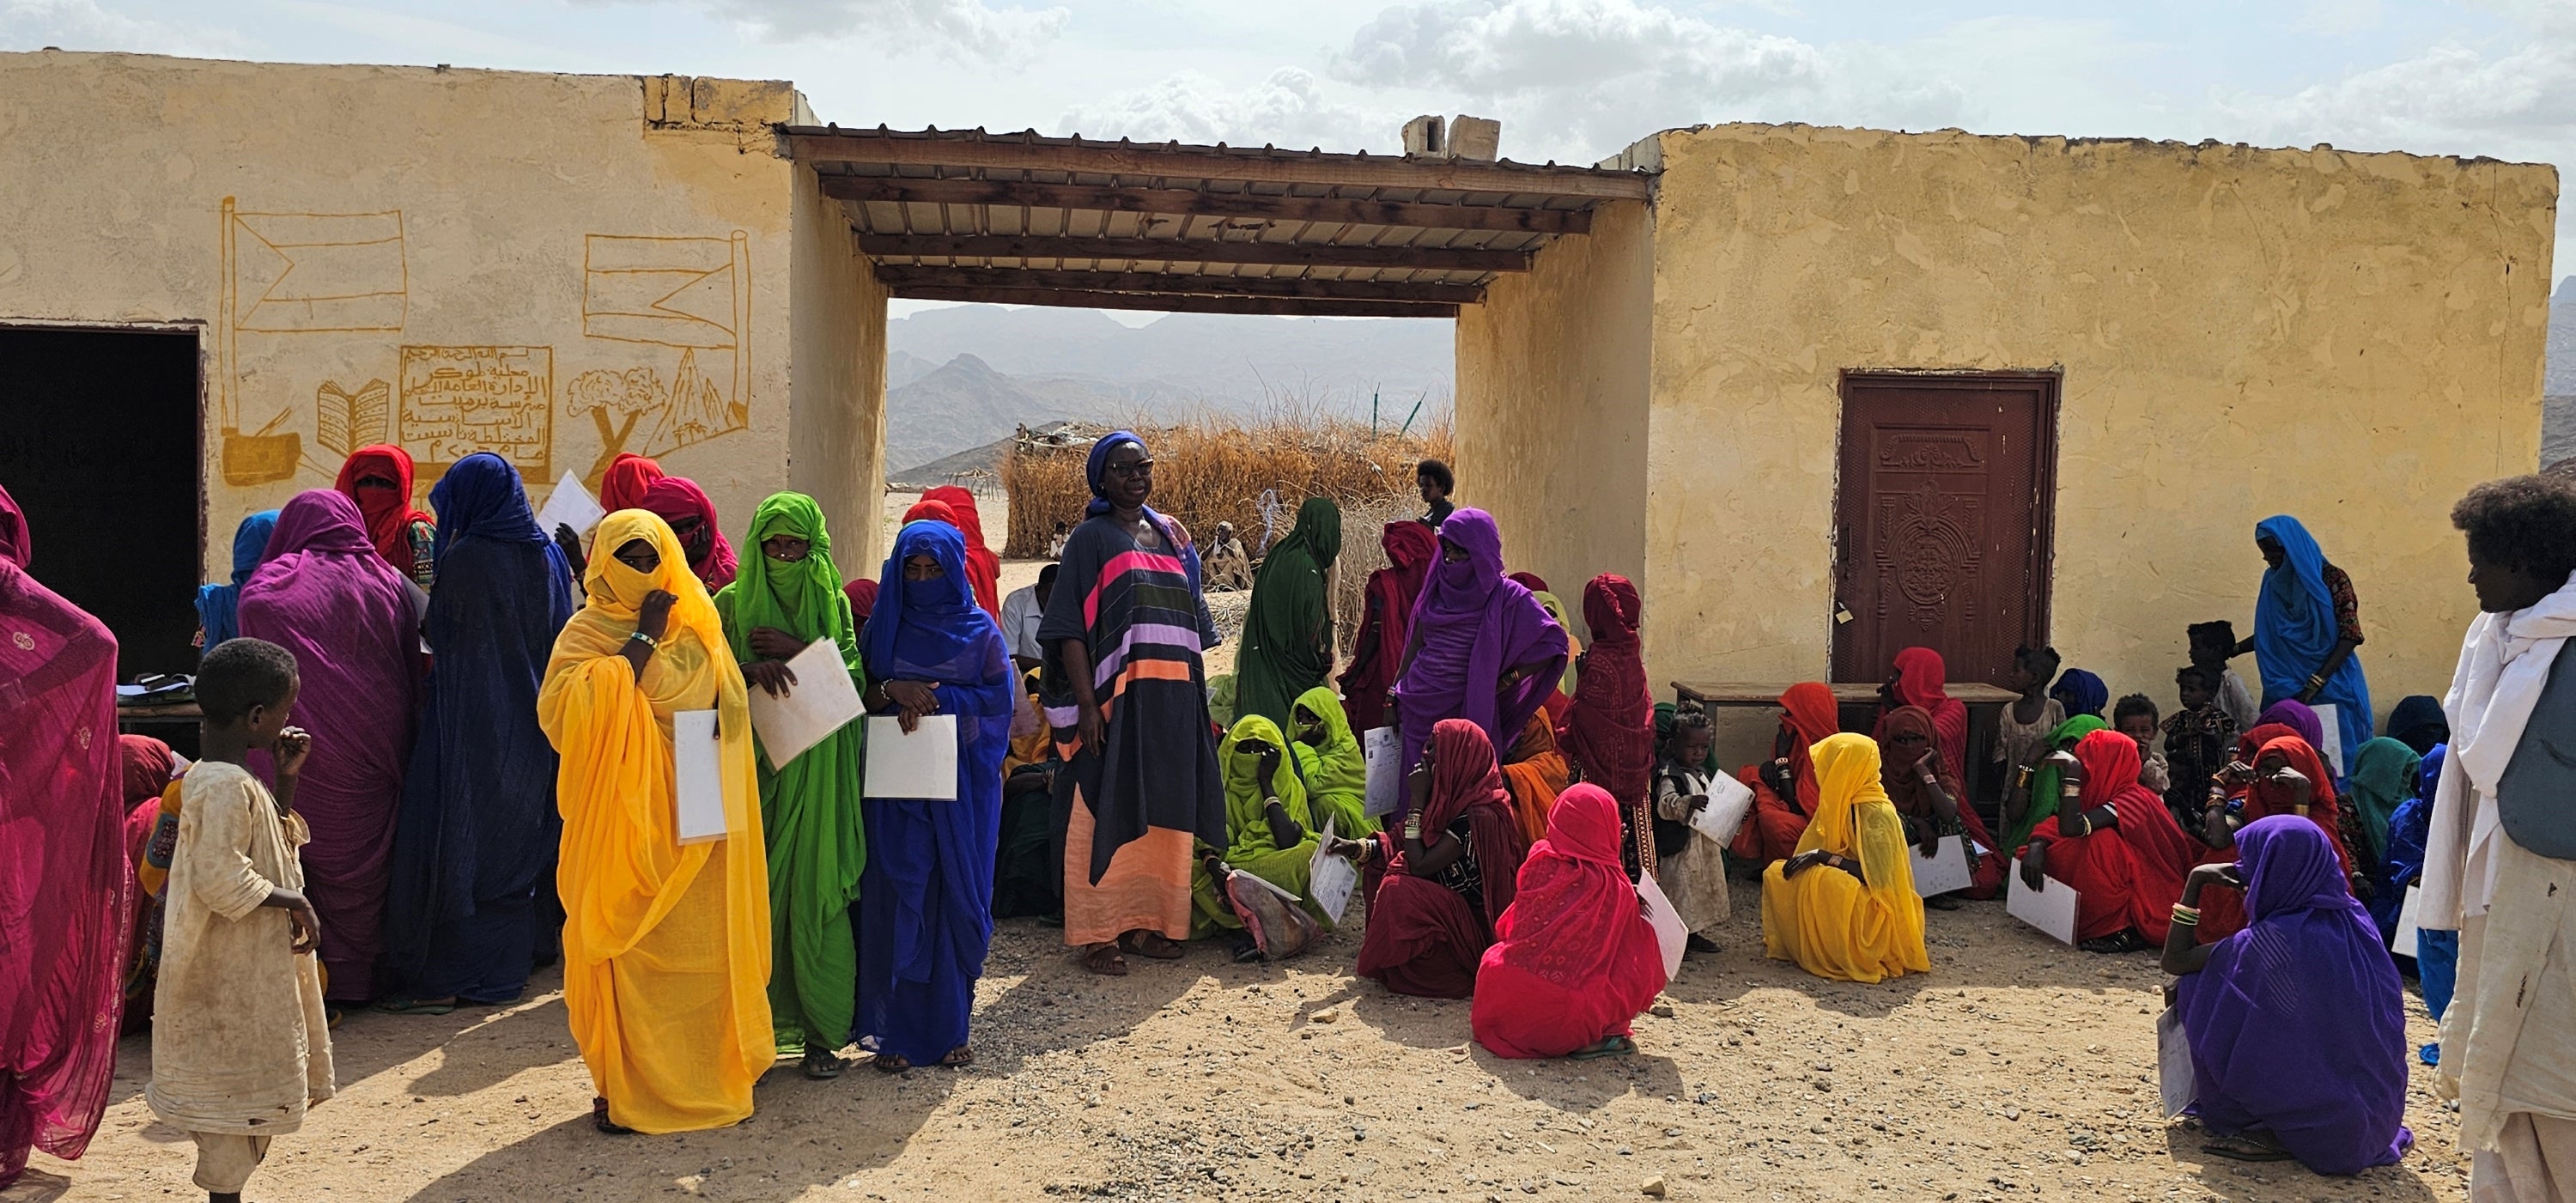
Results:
<point x="182" y="712"/>
<point x="1985" y="705"/>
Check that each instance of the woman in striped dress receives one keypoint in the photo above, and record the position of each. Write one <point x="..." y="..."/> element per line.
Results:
<point x="1127" y="696"/>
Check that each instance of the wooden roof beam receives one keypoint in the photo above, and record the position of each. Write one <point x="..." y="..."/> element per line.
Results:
<point x="1194" y="203"/>
<point x="1175" y="250"/>
<point x="1171" y="303"/>
<point x="1178" y="284"/>
<point x="813" y="145"/>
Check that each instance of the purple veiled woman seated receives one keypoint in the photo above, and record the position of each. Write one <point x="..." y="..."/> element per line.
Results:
<point x="323" y="593"/>
<point x="2297" y="1023"/>
<point x="1482" y="647"/>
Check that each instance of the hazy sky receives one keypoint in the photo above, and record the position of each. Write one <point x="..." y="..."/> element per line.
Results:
<point x="1573" y="80"/>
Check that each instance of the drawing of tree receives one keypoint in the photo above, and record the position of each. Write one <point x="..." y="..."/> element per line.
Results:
<point x="615" y="402"/>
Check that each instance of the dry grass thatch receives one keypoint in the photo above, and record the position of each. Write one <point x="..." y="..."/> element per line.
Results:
<point x="1216" y="469"/>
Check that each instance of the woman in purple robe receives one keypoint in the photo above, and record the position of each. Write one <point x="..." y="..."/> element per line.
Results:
<point x="2297" y="1023"/>
<point x="324" y="594"/>
<point x="1482" y="647"/>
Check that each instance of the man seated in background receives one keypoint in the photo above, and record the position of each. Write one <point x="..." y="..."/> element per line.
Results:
<point x="1020" y="614"/>
<point x="1226" y="567"/>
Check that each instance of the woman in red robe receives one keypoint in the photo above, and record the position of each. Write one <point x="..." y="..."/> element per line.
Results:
<point x="1922" y="680"/>
<point x="2116" y="844"/>
<point x="983" y="566"/>
<point x="1436" y="888"/>
<point x="1378" y="654"/>
<point x="1925" y="789"/>
<point x="1574" y="961"/>
<point x="2307" y="790"/>
<point x="1784" y="789"/>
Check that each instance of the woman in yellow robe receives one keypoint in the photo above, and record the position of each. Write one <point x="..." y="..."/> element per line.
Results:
<point x="1844" y="907"/>
<point x="666" y="945"/>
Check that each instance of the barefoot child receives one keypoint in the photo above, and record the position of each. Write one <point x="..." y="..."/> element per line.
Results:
<point x="238" y="1043"/>
<point x="1687" y="864"/>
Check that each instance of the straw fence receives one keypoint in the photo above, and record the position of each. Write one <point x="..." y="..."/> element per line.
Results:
<point x="1216" y="469"/>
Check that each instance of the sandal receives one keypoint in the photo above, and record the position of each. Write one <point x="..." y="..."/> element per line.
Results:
<point x="415" y="1006"/>
<point x="2246" y="1146"/>
<point x="2128" y="940"/>
<point x="959" y="1057"/>
<point x="1607" y="1046"/>
<point x="822" y="1064"/>
<point x="1152" y="944"/>
<point x="888" y="1063"/>
<point x="1246" y="949"/>
<point x="1104" y="960"/>
<point x="599" y="1119"/>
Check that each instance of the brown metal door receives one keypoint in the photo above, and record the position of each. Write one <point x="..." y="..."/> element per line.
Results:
<point x="1942" y="519"/>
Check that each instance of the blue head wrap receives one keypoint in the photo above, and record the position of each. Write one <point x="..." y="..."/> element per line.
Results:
<point x="218" y="606"/>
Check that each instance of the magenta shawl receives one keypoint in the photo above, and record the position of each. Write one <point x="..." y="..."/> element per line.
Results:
<point x="324" y="594"/>
<point x="1470" y="626"/>
<point x="66" y="891"/>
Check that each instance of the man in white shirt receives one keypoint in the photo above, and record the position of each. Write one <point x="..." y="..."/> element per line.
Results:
<point x="1021" y="612"/>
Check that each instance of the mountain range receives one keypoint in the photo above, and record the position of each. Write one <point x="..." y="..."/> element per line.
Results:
<point x="2558" y="380"/>
<point x="962" y="377"/>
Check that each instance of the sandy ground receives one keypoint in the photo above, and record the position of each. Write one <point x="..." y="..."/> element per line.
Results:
<point x="2017" y="1069"/>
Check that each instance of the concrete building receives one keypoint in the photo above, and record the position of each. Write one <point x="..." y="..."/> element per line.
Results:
<point x="1970" y="391"/>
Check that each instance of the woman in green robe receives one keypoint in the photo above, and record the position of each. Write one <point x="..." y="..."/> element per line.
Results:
<point x="1272" y="829"/>
<point x="1331" y="761"/>
<point x="2040" y="801"/>
<point x="1288" y="630"/>
<point x="809" y="807"/>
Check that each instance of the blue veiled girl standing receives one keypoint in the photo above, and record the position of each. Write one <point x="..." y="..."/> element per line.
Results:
<point x="219" y="606"/>
<point x="2307" y="627"/>
<point x="477" y="831"/>
<point x="925" y="900"/>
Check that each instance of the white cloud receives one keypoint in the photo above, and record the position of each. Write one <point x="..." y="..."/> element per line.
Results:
<point x="2451" y="98"/>
<point x="1291" y="109"/>
<point x="970" y="26"/>
<point x="83" y="25"/>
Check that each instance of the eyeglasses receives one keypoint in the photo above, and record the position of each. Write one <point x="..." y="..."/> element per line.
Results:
<point x="1142" y="467"/>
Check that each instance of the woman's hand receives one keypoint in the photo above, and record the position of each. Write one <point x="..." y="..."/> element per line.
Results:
<point x="2236" y="773"/>
<point x="653" y="618"/>
<point x="770" y="643"/>
<point x="1928" y="836"/>
<point x="772" y="676"/>
<point x="912" y="700"/>
<point x="2070" y="771"/>
<point x="1417" y="785"/>
<point x="2204" y="876"/>
<point x="1801" y="863"/>
<point x="1091" y="726"/>
<point x="1270" y="770"/>
<point x="2034" y="865"/>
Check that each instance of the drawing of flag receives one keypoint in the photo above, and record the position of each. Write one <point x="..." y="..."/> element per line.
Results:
<point x="319" y="271"/>
<point x="677" y="292"/>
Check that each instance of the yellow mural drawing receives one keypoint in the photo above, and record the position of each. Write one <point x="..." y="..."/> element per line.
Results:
<point x="454" y="401"/>
<point x="297" y="273"/>
<point x="344" y="421"/>
<point x="690" y="294"/>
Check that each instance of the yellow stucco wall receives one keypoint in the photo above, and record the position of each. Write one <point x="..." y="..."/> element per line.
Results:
<point x="836" y="432"/>
<point x="432" y="257"/>
<point x="1551" y="403"/>
<point x="2351" y="338"/>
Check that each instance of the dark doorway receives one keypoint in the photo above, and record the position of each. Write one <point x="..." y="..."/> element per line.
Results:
<point x="100" y="451"/>
<point x="1942" y="519"/>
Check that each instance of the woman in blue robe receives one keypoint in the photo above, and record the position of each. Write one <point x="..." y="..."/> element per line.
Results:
<point x="219" y="606"/>
<point x="475" y="839"/>
<point x="2307" y="627"/>
<point x="925" y="899"/>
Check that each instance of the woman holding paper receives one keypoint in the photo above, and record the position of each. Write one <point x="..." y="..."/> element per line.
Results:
<point x="476" y="833"/>
<point x="1436" y="887"/>
<point x="1331" y="764"/>
<point x="2112" y="839"/>
<point x="666" y="944"/>
<point x="809" y="806"/>
<point x="1574" y="960"/>
<point x="1924" y="787"/>
<point x="925" y="903"/>
<point x="1275" y="830"/>
<point x="1844" y="906"/>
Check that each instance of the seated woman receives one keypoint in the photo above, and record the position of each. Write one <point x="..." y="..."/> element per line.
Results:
<point x="2112" y="839"/>
<point x="1274" y="831"/>
<point x="2297" y="1023"/>
<point x="2080" y="693"/>
<point x="1574" y="961"/>
<point x="1844" y="906"/>
<point x="1557" y="702"/>
<point x="1784" y="787"/>
<point x="1434" y="892"/>
<point x="1925" y="790"/>
<point x="2287" y="777"/>
<point x="665" y="944"/>
<point x="1028" y="865"/>
<point x="1331" y="762"/>
<point x="2033" y="795"/>
<point x="925" y="916"/>
<point x="1534" y="773"/>
<point x="1921" y="679"/>
<point x="2383" y="778"/>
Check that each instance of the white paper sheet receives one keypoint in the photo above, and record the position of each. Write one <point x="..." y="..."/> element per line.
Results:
<point x="570" y="505"/>
<point x="2333" y="731"/>
<point x="1667" y="922"/>
<point x="2175" y="1079"/>
<point x="1384" y="747"/>
<point x="1729" y="801"/>
<point x="1330" y="878"/>
<point x="921" y="766"/>
<point x="2410" y="917"/>
<point x="821" y="702"/>
<point x="2050" y="908"/>
<point x="1943" y="871"/>
<point x="696" y="776"/>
